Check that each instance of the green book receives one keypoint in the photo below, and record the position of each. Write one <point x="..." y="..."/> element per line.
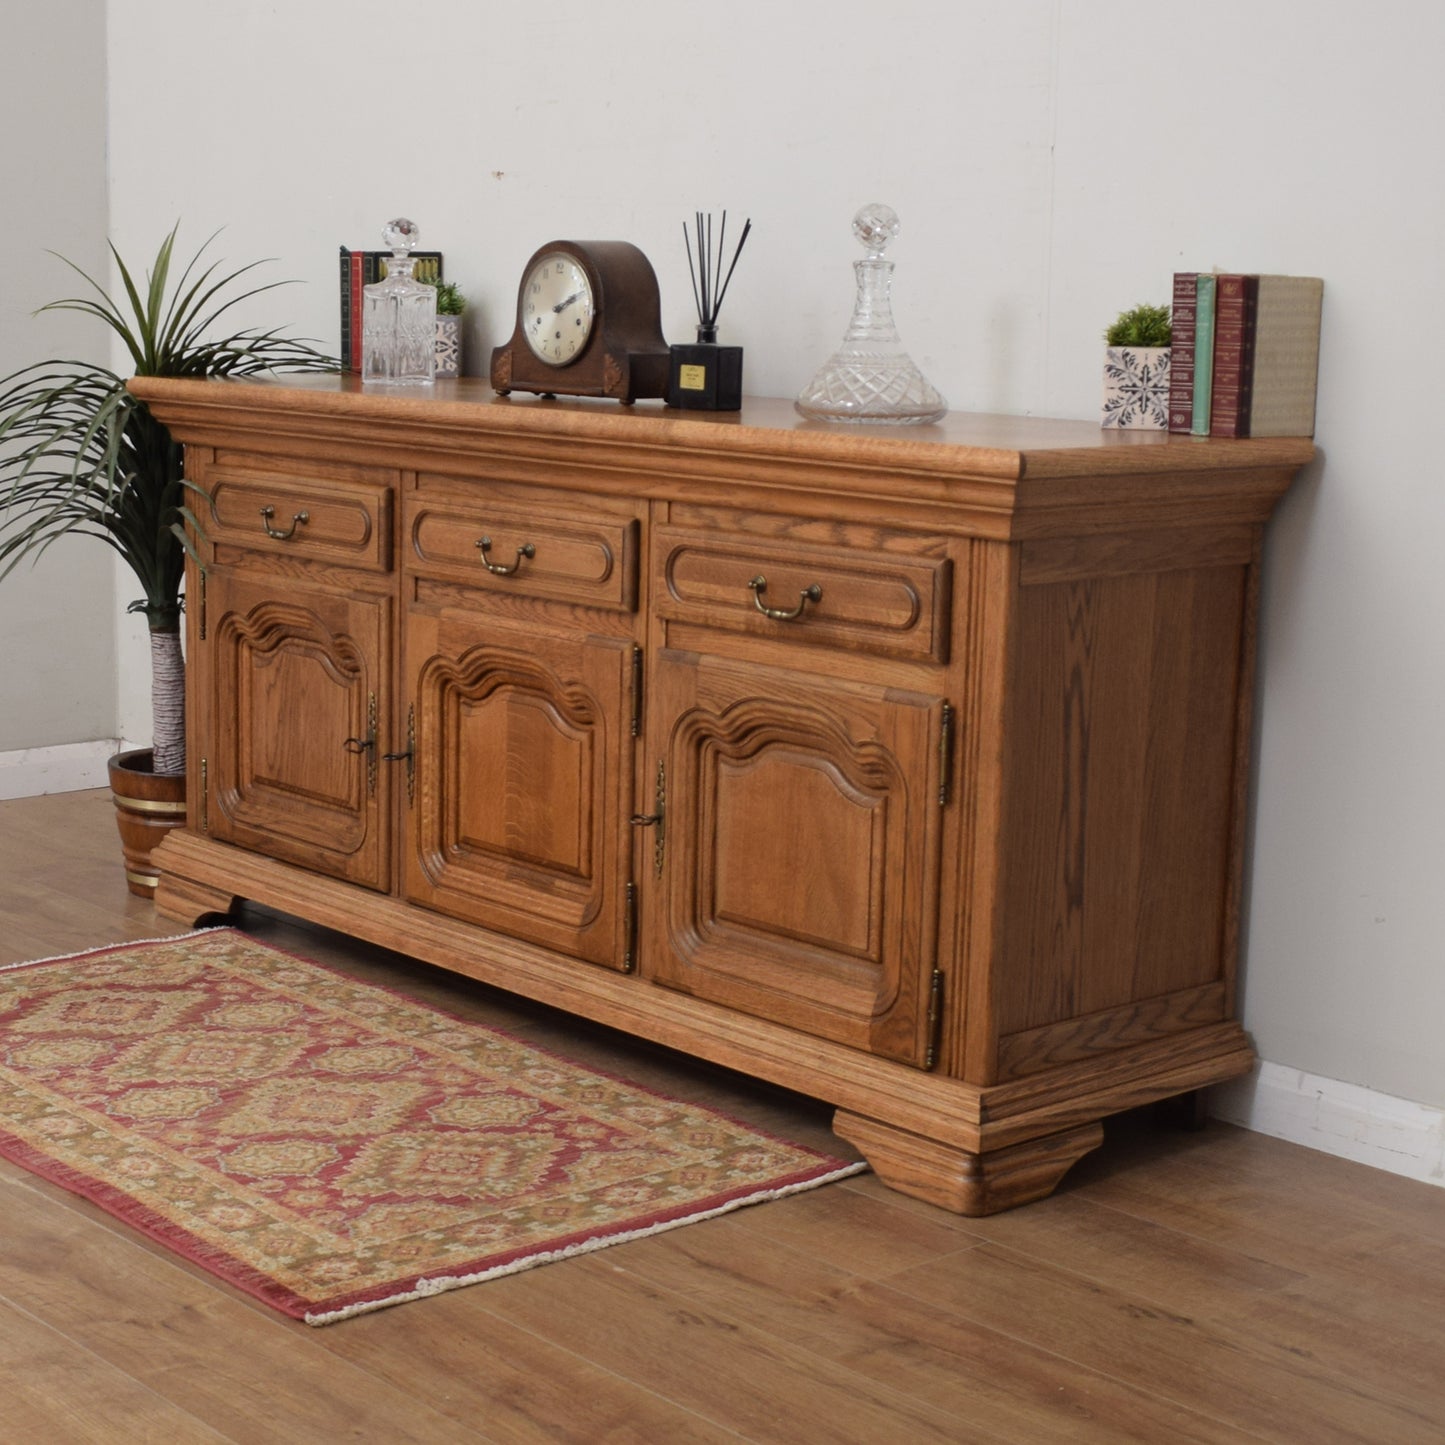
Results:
<point x="1203" y="354"/>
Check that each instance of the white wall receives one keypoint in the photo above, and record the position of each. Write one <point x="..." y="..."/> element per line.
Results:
<point x="57" y="646"/>
<point x="1053" y="162"/>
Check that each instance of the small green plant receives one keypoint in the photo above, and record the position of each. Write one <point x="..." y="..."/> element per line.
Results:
<point x="1143" y="325"/>
<point x="450" y="301"/>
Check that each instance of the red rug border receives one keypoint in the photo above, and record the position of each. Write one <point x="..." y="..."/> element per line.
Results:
<point x="233" y="1271"/>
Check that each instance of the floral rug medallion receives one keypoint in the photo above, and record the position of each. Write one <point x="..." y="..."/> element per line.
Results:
<point x="332" y="1147"/>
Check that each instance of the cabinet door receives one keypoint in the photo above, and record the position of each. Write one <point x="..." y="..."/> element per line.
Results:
<point x="294" y="710"/>
<point x="799" y="877"/>
<point x="523" y="750"/>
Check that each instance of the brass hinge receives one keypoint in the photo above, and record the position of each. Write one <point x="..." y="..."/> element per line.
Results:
<point x="636" y="692"/>
<point x="371" y="749"/>
<point x="205" y="797"/>
<point x="629" y="930"/>
<point x="201" y="577"/>
<point x="935" y="1019"/>
<point x="656" y="819"/>
<point x="371" y="722"/>
<point x="409" y="755"/>
<point x="945" y="754"/>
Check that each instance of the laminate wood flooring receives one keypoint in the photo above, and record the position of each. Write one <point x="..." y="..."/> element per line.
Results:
<point x="1181" y="1286"/>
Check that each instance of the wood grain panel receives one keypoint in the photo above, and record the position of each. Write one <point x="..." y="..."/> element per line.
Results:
<point x="869" y="602"/>
<point x="523" y="765"/>
<point x="801" y="880"/>
<point x="1122" y="715"/>
<point x="590" y="561"/>
<point x="1082" y="1038"/>
<point x="1067" y="559"/>
<point x="324" y="519"/>
<point x="289" y="690"/>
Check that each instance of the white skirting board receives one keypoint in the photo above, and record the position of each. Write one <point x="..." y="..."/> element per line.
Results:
<point x="1341" y="1119"/>
<point x="29" y="772"/>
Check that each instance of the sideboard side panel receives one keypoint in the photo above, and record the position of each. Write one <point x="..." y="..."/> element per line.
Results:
<point x="1118" y="847"/>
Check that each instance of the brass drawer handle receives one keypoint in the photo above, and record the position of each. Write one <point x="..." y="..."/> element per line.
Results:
<point x="500" y="569"/>
<point x="297" y="517"/>
<point x="759" y="585"/>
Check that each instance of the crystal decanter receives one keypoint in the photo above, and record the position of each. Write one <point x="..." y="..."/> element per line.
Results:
<point x="399" y="316"/>
<point x="870" y="377"/>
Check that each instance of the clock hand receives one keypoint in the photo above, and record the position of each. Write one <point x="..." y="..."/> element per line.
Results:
<point x="567" y="301"/>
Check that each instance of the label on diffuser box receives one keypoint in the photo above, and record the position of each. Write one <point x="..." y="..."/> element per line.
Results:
<point x="692" y="378"/>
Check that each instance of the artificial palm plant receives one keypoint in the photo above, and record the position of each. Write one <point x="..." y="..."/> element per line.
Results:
<point x="81" y="456"/>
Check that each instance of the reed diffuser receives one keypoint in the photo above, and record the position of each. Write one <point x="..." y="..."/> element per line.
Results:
<point x="704" y="376"/>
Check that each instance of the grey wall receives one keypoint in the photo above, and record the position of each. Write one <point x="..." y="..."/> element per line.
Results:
<point x="57" y="634"/>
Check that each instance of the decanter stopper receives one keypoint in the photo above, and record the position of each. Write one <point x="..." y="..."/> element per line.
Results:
<point x="398" y="316"/>
<point x="870" y="377"/>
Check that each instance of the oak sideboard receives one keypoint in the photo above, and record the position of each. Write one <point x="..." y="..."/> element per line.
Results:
<point x="903" y="767"/>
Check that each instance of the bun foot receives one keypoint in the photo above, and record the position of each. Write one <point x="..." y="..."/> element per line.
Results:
<point x="962" y="1181"/>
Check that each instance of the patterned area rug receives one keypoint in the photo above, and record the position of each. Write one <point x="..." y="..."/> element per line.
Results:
<point x="332" y="1147"/>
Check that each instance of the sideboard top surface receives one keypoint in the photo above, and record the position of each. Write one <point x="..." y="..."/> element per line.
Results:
<point x="1003" y="465"/>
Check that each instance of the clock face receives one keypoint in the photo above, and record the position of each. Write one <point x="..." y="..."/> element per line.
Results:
<point x="557" y="309"/>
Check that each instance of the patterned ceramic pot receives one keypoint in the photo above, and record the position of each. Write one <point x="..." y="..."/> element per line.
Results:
<point x="449" y="346"/>
<point x="1136" y="387"/>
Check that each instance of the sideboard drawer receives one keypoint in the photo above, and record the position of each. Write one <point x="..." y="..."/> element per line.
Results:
<point x="319" y="519"/>
<point x="886" y="603"/>
<point x="505" y="546"/>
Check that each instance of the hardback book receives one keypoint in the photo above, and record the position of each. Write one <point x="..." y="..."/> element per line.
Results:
<point x="1203" y="352"/>
<point x="1181" y="352"/>
<point x="361" y="268"/>
<point x="428" y="266"/>
<point x="345" y="350"/>
<point x="1286" y="356"/>
<point x="353" y="341"/>
<point x="1235" y="298"/>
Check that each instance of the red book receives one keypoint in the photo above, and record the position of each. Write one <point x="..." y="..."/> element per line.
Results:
<point x="1235" y="309"/>
<point x="1181" y="352"/>
<point x="357" y="261"/>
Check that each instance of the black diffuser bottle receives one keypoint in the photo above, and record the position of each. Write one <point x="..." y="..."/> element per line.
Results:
<point x="704" y="376"/>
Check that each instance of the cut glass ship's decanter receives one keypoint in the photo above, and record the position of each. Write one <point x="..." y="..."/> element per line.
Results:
<point x="399" y="316"/>
<point x="870" y="378"/>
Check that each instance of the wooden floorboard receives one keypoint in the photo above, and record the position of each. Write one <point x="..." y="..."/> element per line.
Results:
<point x="56" y="1389"/>
<point x="1203" y="1286"/>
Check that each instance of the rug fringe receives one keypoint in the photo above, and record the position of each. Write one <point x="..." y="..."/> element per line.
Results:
<point x="113" y="948"/>
<point x="797" y="1169"/>
<point x="425" y="1288"/>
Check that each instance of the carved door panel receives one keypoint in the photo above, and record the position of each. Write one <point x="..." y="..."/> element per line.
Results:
<point x="294" y="703"/>
<point x="799" y="873"/>
<point x="523" y="751"/>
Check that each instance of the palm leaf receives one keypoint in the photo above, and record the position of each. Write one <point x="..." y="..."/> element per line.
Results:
<point x="81" y="456"/>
